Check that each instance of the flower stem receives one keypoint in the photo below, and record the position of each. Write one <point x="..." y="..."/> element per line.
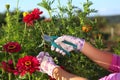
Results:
<point x="24" y="33"/>
<point x="17" y="10"/>
<point x="29" y="76"/>
<point x="33" y="78"/>
<point x="13" y="59"/>
<point x="9" y="76"/>
<point x="41" y="76"/>
<point x="42" y="37"/>
<point x="17" y="3"/>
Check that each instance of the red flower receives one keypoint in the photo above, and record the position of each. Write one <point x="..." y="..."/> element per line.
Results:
<point x="12" y="47"/>
<point x="8" y="66"/>
<point x="31" y="17"/>
<point x="27" y="64"/>
<point x="36" y="12"/>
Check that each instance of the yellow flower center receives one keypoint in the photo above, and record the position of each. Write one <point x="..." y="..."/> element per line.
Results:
<point x="27" y="63"/>
<point x="25" y="13"/>
<point x="11" y="47"/>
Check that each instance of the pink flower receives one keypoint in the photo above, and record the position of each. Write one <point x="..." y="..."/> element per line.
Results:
<point x="27" y="64"/>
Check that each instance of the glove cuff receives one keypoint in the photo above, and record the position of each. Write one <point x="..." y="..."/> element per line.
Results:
<point x="80" y="44"/>
<point x="49" y="68"/>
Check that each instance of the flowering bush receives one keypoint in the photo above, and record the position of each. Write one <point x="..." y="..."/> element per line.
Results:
<point x="19" y="38"/>
<point x="24" y="39"/>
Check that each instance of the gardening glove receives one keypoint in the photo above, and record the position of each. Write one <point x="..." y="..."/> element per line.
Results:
<point x="47" y="64"/>
<point x="59" y="41"/>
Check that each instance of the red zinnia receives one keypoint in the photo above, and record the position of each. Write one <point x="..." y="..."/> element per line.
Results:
<point x="31" y="17"/>
<point x="12" y="47"/>
<point x="36" y="12"/>
<point x="27" y="64"/>
<point x="8" y="66"/>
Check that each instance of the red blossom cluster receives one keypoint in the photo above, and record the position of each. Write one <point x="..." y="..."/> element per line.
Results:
<point x="27" y="64"/>
<point x="8" y="66"/>
<point x="31" y="17"/>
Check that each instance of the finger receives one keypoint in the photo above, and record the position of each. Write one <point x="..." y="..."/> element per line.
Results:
<point x="57" y="50"/>
<point x="60" y="39"/>
<point x="63" y="53"/>
<point x="65" y="38"/>
<point x="52" y="48"/>
<point x="40" y="55"/>
<point x="56" y="75"/>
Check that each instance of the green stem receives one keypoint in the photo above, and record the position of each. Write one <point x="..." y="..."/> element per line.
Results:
<point x="9" y="76"/>
<point x="29" y="76"/>
<point x="24" y="32"/>
<point x="8" y="23"/>
<point x="3" y="71"/>
<point x="13" y="59"/>
<point x="33" y="78"/>
<point x="42" y="37"/>
<point x="17" y="3"/>
<point x="61" y="13"/>
<point x="41" y="76"/>
<point x="17" y="10"/>
<point x="51" y="17"/>
<point x="41" y="30"/>
<point x="5" y="56"/>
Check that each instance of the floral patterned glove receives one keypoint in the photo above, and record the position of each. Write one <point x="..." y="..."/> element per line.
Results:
<point x="77" y="41"/>
<point x="47" y="64"/>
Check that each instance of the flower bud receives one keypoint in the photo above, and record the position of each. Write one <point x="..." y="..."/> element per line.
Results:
<point x="7" y="6"/>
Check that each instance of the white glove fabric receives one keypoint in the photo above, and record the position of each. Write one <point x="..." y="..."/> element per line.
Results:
<point x="47" y="64"/>
<point x="77" y="41"/>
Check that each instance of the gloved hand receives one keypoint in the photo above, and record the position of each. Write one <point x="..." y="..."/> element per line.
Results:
<point x="77" y="41"/>
<point x="47" y="64"/>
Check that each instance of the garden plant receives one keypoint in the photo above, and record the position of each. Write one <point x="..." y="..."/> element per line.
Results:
<point x="21" y="39"/>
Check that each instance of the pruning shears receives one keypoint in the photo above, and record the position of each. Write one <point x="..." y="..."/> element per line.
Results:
<point x="51" y="40"/>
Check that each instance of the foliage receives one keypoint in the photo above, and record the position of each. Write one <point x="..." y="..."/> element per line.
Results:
<point x="66" y="21"/>
<point x="117" y="48"/>
<point x="2" y="16"/>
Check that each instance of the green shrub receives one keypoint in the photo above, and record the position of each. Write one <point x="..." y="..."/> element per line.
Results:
<point x="66" y="21"/>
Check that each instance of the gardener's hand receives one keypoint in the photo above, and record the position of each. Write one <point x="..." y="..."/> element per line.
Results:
<point x="47" y="64"/>
<point x="77" y="41"/>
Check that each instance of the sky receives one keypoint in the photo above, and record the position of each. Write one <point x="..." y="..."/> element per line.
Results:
<point x="104" y="7"/>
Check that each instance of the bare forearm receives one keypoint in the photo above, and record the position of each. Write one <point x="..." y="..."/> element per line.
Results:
<point x="60" y="74"/>
<point x="102" y="58"/>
